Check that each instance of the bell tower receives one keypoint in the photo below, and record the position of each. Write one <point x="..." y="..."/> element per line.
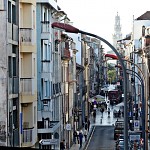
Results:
<point x="117" y="31"/>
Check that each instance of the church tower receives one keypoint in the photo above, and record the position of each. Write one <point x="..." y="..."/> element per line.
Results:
<point x="117" y="31"/>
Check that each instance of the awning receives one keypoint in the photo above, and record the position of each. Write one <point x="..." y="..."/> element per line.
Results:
<point x="111" y="56"/>
<point x="97" y="98"/>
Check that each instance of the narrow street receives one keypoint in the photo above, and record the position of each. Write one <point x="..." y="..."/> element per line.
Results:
<point x="102" y="138"/>
<point x="102" y="132"/>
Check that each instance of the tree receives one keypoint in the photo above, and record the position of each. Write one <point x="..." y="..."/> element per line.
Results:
<point x="111" y="74"/>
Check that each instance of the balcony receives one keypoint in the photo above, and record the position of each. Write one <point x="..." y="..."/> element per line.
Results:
<point x="13" y="32"/>
<point x="14" y="85"/>
<point x="28" y="1"/>
<point x="65" y="54"/>
<point x="27" y="40"/>
<point x="45" y="30"/>
<point x="27" y="90"/>
<point x="27" y="36"/>
<point x="54" y="125"/>
<point x="29" y="137"/>
<point x="27" y="86"/>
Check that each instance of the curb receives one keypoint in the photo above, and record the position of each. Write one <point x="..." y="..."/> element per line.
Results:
<point x="88" y="138"/>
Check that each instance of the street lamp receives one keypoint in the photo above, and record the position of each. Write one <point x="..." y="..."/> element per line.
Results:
<point x="144" y="124"/>
<point x="71" y="29"/>
<point x="143" y="110"/>
<point x="143" y="102"/>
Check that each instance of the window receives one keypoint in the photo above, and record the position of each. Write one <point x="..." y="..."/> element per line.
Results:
<point x="33" y="19"/>
<point x="34" y="66"/>
<point x="9" y="67"/>
<point x="34" y="114"/>
<point x="14" y="66"/>
<point x="56" y="45"/>
<point x="1" y="4"/>
<point x="46" y="88"/>
<point x="9" y="12"/>
<point x="46" y="51"/>
<point x="13" y="14"/>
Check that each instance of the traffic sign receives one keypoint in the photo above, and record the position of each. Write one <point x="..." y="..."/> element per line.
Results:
<point x="48" y="141"/>
<point x="136" y="125"/>
<point x="68" y="126"/>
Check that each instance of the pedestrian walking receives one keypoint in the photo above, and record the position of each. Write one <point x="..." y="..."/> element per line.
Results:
<point x="88" y="124"/>
<point x="108" y="112"/>
<point x="81" y="138"/>
<point x="62" y="145"/>
<point x="85" y="134"/>
<point x="102" y="110"/>
<point x="75" y="136"/>
<point x="119" y="113"/>
<point x="94" y="115"/>
<point x="106" y="106"/>
<point x="122" y="113"/>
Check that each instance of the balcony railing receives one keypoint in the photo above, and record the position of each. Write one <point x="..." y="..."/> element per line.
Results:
<point x="27" y="86"/>
<point x="65" y="54"/>
<point x="14" y="32"/>
<point x="45" y="26"/>
<point x="27" y="36"/>
<point x="29" y="137"/>
<point x="14" y="85"/>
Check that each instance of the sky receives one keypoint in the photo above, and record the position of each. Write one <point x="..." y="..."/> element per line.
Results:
<point x="98" y="16"/>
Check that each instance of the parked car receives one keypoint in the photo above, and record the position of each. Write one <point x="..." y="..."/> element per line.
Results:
<point x="120" y="144"/>
<point x="121" y="137"/>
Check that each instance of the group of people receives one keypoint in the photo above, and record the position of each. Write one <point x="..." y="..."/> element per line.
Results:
<point x="78" y="135"/>
<point x="118" y="113"/>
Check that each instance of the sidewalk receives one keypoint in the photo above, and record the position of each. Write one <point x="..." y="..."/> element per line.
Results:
<point x="101" y="121"/>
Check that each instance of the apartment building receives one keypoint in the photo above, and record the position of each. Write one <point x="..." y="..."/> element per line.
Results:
<point x="136" y="50"/>
<point x="9" y="73"/>
<point x="28" y="73"/>
<point x="49" y="73"/>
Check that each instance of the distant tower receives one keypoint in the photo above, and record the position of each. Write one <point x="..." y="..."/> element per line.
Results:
<point x="117" y="31"/>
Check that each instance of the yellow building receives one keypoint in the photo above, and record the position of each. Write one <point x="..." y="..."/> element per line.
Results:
<point x="28" y="73"/>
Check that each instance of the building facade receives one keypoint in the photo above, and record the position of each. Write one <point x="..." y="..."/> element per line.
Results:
<point x="9" y="72"/>
<point x="28" y="73"/>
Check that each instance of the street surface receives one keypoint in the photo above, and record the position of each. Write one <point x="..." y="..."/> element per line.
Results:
<point x="102" y="138"/>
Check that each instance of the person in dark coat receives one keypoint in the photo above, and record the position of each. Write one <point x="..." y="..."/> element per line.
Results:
<point x="62" y="145"/>
<point x="94" y="116"/>
<point x="81" y="138"/>
<point x="88" y="125"/>
<point x="75" y="136"/>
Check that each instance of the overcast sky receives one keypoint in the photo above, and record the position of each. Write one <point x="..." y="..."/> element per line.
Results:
<point x="98" y="16"/>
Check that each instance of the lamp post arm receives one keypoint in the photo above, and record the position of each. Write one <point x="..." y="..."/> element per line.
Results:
<point x="137" y="67"/>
